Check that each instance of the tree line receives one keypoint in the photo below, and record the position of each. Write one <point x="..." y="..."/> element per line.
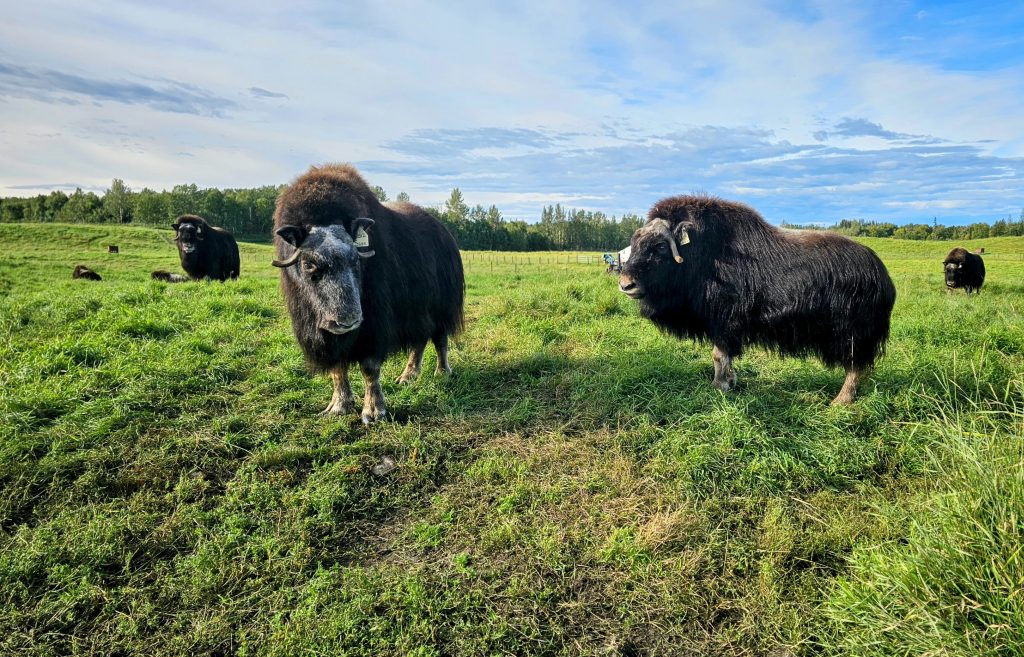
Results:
<point x="934" y="231"/>
<point x="249" y="214"/>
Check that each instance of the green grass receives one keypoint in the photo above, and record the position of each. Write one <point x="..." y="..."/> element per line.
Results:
<point x="576" y="487"/>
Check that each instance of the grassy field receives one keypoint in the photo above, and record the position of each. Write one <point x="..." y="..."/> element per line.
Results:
<point x="577" y="487"/>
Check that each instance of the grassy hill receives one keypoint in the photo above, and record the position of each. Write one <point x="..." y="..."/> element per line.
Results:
<point x="576" y="487"/>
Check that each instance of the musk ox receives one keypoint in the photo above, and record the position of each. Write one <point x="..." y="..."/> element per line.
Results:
<point x="364" y="280"/>
<point x="715" y="270"/>
<point x="964" y="269"/>
<point x="206" y="251"/>
<point x="112" y="248"/>
<point x="167" y="277"/>
<point x="81" y="271"/>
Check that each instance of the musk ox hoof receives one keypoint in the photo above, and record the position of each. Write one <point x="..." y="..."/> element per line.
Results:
<point x="725" y="385"/>
<point x="343" y="407"/>
<point x="843" y="399"/>
<point x="407" y="378"/>
<point x="374" y="416"/>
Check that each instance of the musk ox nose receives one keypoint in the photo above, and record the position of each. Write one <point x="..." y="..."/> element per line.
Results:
<point x="629" y="287"/>
<point x="338" y="328"/>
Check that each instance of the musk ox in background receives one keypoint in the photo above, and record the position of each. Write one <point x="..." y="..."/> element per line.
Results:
<point x="206" y="251"/>
<point x="167" y="277"/>
<point x="363" y="280"/>
<point x="715" y="270"/>
<point x="81" y="271"/>
<point x="964" y="269"/>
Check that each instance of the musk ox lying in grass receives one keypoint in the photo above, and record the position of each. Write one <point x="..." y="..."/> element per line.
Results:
<point x="167" y="277"/>
<point x="81" y="271"/>
<point x="964" y="270"/>
<point x="206" y="251"/>
<point x="364" y="280"/>
<point x="715" y="270"/>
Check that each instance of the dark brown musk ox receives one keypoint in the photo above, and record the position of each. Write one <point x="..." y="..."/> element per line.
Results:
<point x="715" y="270"/>
<point x="964" y="270"/>
<point x="363" y="280"/>
<point x="206" y="251"/>
<point x="81" y="271"/>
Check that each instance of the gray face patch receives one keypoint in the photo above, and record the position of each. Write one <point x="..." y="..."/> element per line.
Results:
<point x="329" y="276"/>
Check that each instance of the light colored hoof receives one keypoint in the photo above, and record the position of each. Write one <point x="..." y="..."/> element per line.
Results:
<point x="843" y="399"/>
<point x="724" y="386"/>
<point x="378" y="416"/>
<point x="339" y="408"/>
<point x="406" y="378"/>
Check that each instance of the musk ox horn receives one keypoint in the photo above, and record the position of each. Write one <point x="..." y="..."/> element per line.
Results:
<point x="665" y="232"/>
<point x="289" y="261"/>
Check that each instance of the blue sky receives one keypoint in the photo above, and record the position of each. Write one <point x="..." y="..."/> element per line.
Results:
<point x="808" y="111"/>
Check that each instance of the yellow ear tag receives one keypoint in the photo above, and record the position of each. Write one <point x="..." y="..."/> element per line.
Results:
<point x="684" y="238"/>
<point x="362" y="239"/>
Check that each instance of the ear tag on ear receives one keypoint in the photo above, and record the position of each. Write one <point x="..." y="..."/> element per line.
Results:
<point x="684" y="238"/>
<point x="362" y="240"/>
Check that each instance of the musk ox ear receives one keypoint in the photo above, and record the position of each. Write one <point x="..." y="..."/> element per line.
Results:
<point x="294" y="235"/>
<point x="361" y="238"/>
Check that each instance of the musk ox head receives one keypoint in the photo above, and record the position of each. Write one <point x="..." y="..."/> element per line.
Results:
<point x="189" y="231"/>
<point x="326" y="267"/>
<point x="653" y="252"/>
<point x="954" y="268"/>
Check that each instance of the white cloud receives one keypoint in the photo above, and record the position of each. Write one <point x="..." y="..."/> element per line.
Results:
<point x="599" y="104"/>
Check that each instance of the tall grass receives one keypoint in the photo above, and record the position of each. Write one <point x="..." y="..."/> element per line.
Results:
<point x="577" y="487"/>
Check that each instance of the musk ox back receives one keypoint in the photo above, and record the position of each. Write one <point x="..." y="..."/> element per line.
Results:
<point x="363" y="281"/>
<point x="206" y="251"/>
<point x="81" y="271"/>
<point x="964" y="270"/>
<point x="715" y="270"/>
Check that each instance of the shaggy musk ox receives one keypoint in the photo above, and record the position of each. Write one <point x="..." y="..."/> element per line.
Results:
<point x="964" y="269"/>
<point x="363" y="281"/>
<point x="206" y="251"/>
<point x="167" y="277"/>
<point x="81" y="271"/>
<point x="716" y="271"/>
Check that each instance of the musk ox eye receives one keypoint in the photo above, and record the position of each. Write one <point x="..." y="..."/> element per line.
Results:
<point x="308" y="267"/>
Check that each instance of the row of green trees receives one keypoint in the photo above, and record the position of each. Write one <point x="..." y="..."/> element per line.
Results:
<point x="935" y="231"/>
<point x="248" y="213"/>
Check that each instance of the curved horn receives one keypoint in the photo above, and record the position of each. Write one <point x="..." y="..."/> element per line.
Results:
<point x="289" y="261"/>
<point x="665" y="232"/>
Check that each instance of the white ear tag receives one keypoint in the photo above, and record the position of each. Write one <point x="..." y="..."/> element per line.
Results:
<point x="362" y="239"/>
<point x="684" y="238"/>
<point x="625" y="253"/>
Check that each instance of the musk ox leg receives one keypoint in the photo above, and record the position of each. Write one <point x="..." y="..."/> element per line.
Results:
<point x="725" y="377"/>
<point x="849" y="390"/>
<point x="342" y="401"/>
<point x="441" y="347"/>
<point x="374" y="408"/>
<point x="412" y="368"/>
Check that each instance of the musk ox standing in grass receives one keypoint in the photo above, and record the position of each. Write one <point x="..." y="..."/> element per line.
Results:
<point x="206" y="251"/>
<point x="363" y="281"/>
<point x="715" y="270"/>
<point x="964" y="269"/>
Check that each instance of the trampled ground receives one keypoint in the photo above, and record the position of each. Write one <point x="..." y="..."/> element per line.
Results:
<point x="576" y="487"/>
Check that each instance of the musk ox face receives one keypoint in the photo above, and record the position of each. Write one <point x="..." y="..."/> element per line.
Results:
<point x="188" y="236"/>
<point x="953" y="272"/>
<point x="327" y="271"/>
<point x="652" y="254"/>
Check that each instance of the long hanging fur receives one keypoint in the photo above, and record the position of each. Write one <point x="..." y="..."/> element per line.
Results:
<point x="413" y="287"/>
<point x="745" y="282"/>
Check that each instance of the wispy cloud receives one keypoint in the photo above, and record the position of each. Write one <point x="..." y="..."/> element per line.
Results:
<point x="49" y="85"/>
<point x="259" y="92"/>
